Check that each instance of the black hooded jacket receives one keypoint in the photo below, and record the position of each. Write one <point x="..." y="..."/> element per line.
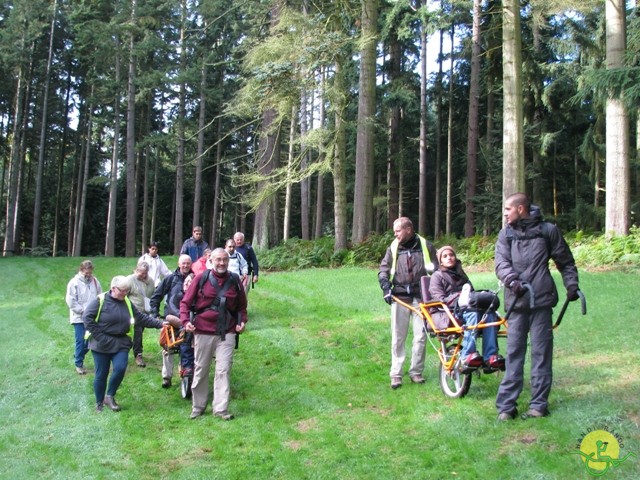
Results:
<point x="522" y="253"/>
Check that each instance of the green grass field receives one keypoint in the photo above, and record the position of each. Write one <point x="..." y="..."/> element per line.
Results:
<point x="310" y="391"/>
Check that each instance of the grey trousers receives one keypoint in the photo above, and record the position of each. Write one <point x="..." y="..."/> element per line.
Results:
<point x="538" y="324"/>
<point x="401" y="319"/>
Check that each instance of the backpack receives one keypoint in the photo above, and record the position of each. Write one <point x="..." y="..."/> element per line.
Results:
<point x="219" y="303"/>
<point x="543" y="233"/>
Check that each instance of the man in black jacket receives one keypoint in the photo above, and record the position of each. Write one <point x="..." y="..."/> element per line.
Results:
<point x="522" y="255"/>
<point x="171" y="284"/>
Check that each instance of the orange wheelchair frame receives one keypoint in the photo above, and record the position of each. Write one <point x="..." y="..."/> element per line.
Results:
<point x="455" y="381"/>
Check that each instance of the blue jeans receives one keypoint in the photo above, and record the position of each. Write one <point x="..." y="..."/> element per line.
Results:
<point x="103" y="362"/>
<point x="489" y="335"/>
<point x="81" y="344"/>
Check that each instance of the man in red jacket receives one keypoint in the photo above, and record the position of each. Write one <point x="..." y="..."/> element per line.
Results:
<point x="219" y="306"/>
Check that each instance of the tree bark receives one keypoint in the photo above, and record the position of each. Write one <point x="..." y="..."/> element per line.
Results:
<point x="132" y="203"/>
<point x="339" y="160"/>
<point x="513" y="131"/>
<point x="617" y="125"/>
<point x="37" y="207"/>
<point x="363" y="190"/>
<point x="394" y="166"/>
<point x="422" y="188"/>
<point x="110" y="244"/>
<point x="180" y="130"/>
<point x="449" y="213"/>
<point x="474" y="123"/>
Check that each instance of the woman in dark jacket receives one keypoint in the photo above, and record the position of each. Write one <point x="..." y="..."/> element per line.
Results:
<point x="450" y="284"/>
<point x="109" y="319"/>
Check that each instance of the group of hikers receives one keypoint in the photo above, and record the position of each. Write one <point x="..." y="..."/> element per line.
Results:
<point x="522" y="254"/>
<point x="205" y="296"/>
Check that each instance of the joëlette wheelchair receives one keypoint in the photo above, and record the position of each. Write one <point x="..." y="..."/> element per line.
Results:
<point x="173" y="340"/>
<point x="455" y="379"/>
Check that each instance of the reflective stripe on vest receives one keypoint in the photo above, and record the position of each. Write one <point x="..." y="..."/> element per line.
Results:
<point x="394" y="255"/>
<point x="132" y="319"/>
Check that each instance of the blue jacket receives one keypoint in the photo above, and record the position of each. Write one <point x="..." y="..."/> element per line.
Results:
<point x="194" y="249"/>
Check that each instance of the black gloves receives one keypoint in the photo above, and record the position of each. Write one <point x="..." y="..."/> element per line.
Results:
<point x="517" y="288"/>
<point x="387" y="296"/>
<point x="386" y="292"/>
<point x="572" y="293"/>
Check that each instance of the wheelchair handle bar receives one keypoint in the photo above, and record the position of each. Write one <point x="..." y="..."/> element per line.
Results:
<point x="583" y="304"/>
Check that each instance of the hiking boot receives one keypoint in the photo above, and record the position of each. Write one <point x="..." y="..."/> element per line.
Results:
<point x="99" y="407"/>
<point x="505" y="416"/>
<point x="195" y="413"/>
<point x="416" y="378"/>
<point x="396" y="382"/>
<point x="140" y="361"/>
<point x="81" y="371"/>
<point x="471" y="363"/>
<point x="110" y="402"/>
<point x="224" y="415"/>
<point x="496" y="362"/>
<point x="166" y="382"/>
<point x="533" y="413"/>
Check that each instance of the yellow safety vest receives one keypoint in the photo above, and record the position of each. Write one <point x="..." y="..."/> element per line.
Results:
<point x="87" y="334"/>
<point x="394" y="255"/>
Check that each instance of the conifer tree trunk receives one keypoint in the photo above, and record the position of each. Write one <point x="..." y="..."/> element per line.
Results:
<point x="265" y="224"/>
<point x="82" y="200"/>
<point x="395" y="142"/>
<point x="449" y="212"/>
<point x="339" y="160"/>
<point x="179" y="202"/>
<point x="364" y="176"/>
<point x="110" y="246"/>
<point x="132" y="203"/>
<point x="422" y="190"/>
<point x="197" y="196"/>
<point x="474" y="123"/>
<point x="617" y="125"/>
<point x="37" y="207"/>
<point x="513" y="131"/>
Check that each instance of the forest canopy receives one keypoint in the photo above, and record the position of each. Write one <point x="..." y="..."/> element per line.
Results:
<point x="132" y="121"/>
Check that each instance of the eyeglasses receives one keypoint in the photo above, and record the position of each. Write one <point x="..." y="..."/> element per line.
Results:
<point x="122" y="290"/>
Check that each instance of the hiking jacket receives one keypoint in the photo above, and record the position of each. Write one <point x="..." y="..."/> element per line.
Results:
<point x="194" y="249"/>
<point x="525" y="257"/>
<point x="201" y="299"/>
<point x="249" y="255"/>
<point x="445" y="286"/>
<point x="168" y="287"/>
<point x="139" y="291"/>
<point x="238" y="265"/>
<point x="110" y="334"/>
<point x="157" y="268"/>
<point x="80" y="292"/>
<point x="406" y="281"/>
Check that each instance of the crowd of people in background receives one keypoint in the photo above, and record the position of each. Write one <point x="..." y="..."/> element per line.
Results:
<point x="205" y="299"/>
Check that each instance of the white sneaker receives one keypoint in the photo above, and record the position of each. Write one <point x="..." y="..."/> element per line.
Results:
<point x="463" y="299"/>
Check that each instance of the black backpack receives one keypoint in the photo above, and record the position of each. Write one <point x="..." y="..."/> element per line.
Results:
<point x="219" y="303"/>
